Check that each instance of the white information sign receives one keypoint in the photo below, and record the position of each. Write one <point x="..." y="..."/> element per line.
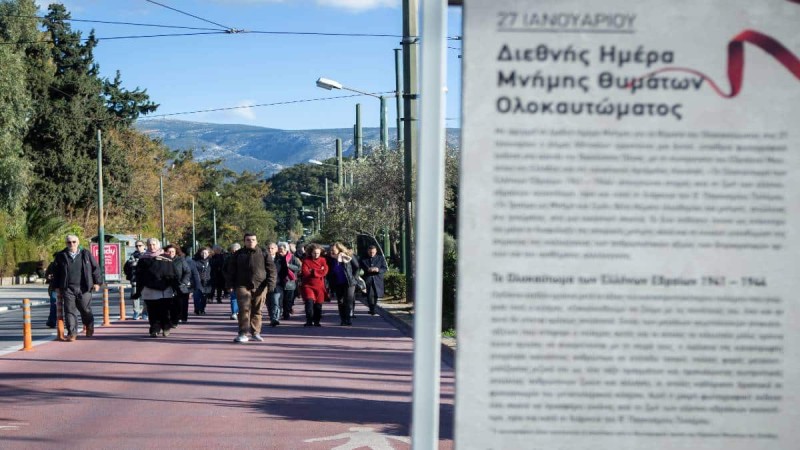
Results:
<point x="630" y="209"/>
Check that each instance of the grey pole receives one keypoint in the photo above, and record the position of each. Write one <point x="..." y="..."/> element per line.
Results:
<point x="384" y="126"/>
<point x="194" y="237"/>
<point x="215" y="226"/>
<point x="161" y="189"/>
<point x="359" y="135"/>
<point x="326" y="192"/>
<point x="339" y="178"/>
<point x="398" y="90"/>
<point x="410" y="42"/>
<point x="101" y="232"/>
<point x="429" y="228"/>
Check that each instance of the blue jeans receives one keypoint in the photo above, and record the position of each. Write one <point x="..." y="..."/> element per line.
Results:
<point x="274" y="304"/>
<point x="199" y="300"/>
<point x="234" y="303"/>
<point x="51" y="319"/>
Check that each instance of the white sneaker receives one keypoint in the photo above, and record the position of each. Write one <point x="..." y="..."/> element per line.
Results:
<point x="234" y="317"/>
<point x="257" y="337"/>
<point x="241" y="339"/>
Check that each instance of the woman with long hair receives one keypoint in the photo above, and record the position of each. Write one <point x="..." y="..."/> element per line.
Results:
<point x="179" y="309"/>
<point x="313" y="290"/>
<point x="342" y="275"/>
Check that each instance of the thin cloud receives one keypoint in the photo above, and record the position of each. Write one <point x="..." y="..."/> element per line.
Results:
<point x="359" y="5"/>
<point x="248" y="114"/>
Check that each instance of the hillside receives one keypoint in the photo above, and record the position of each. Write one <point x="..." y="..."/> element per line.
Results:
<point x="245" y="147"/>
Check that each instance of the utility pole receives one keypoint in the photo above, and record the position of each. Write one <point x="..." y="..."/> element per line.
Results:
<point x="339" y="162"/>
<point x="398" y="94"/>
<point x="161" y="189"/>
<point x="194" y="237"/>
<point x="359" y="137"/>
<point x="101" y="232"/>
<point x="384" y="126"/>
<point x="410" y="46"/>
<point x="215" y="226"/>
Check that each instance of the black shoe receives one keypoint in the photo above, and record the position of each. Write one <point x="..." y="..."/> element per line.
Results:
<point x="308" y="324"/>
<point x="50" y="325"/>
<point x="348" y="323"/>
<point x="317" y="325"/>
<point x="274" y="323"/>
<point x="90" y="330"/>
<point x="153" y="334"/>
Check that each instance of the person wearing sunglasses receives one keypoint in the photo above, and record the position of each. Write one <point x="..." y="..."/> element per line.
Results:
<point x="139" y="307"/>
<point x="75" y="275"/>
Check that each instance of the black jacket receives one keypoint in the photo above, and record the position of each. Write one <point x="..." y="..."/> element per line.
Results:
<point x="350" y="271"/>
<point x="90" y="270"/>
<point x="155" y="273"/>
<point x="183" y="275"/>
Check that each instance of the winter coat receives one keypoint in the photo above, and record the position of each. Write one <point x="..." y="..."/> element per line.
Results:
<point x="374" y="280"/>
<point x="90" y="270"/>
<point x="204" y="271"/>
<point x="282" y="266"/>
<point x="183" y="275"/>
<point x="350" y="266"/>
<point x="314" y="271"/>
<point x="218" y="270"/>
<point x="130" y="266"/>
<point x="195" y="279"/>
<point x="157" y="273"/>
<point x="252" y="269"/>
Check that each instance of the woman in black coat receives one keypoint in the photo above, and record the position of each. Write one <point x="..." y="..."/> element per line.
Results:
<point x="179" y="309"/>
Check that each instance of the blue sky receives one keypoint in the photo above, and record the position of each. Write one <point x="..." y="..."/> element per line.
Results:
<point x="202" y="72"/>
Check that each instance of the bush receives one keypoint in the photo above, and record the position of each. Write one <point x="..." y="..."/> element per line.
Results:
<point x="449" y="279"/>
<point x="395" y="283"/>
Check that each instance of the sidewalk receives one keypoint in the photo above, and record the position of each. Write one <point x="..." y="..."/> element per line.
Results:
<point x="303" y="388"/>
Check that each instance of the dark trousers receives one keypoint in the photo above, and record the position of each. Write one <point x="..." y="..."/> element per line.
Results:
<point x="179" y="308"/>
<point x="313" y="312"/>
<point x="372" y="299"/>
<point x="288" y="302"/>
<point x="218" y="291"/>
<point x="346" y="300"/>
<point x="158" y="314"/>
<point x="199" y="301"/>
<point x="76" y="302"/>
<point x="52" y="318"/>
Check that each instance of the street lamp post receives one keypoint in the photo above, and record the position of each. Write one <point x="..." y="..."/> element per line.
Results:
<point x="329" y="84"/>
<point x="216" y="195"/>
<point x="161" y="189"/>
<point x="194" y="236"/>
<point x="101" y="232"/>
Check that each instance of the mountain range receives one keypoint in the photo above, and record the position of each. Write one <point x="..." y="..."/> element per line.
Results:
<point x="260" y="149"/>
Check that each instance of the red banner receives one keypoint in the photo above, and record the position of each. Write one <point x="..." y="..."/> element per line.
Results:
<point x="111" y="260"/>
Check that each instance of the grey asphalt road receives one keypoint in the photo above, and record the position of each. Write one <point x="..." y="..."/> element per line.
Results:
<point x="11" y="313"/>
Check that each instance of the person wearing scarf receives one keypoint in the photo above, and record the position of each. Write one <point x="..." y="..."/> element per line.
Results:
<point x="342" y="280"/>
<point x="156" y="276"/>
<point x="288" y="278"/>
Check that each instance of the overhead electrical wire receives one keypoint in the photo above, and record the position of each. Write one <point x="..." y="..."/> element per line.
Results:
<point x="190" y="15"/>
<point x="287" y="102"/>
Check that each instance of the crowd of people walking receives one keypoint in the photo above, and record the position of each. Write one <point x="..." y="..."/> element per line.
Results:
<point x="165" y="281"/>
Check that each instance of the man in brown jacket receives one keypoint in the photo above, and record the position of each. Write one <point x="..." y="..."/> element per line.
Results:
<point x="251" y="272"/>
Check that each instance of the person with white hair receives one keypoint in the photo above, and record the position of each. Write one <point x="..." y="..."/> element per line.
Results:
<point x="75" y="275"/>
<point x="156" y="276"/>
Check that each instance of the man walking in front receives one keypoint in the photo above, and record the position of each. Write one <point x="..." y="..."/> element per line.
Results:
<point x="75" y="275"/>
<point x="251" y="273"/>
<point x="374" y="266"/>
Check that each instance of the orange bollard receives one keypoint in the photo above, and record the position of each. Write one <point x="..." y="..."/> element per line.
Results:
<point x="59" y="318"/>
<point x="106" y="320"/>
<point x="122" y="315"/>
<point x="27" y="337"/>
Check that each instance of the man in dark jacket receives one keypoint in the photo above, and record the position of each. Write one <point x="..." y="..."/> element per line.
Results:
<point x="251" y="272"/>
<point x="75" y="275"/>
<point x="374" y="267"/>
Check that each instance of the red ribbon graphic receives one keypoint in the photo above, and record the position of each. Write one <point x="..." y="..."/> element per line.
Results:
<point x="736" y="60"/>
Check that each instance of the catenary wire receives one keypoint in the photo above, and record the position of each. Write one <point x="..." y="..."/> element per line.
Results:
<point x="189" y="14"/>
<point x="287" y="102"/>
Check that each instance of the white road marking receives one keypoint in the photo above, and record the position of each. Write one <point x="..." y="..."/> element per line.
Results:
<point x="362" y="437"/>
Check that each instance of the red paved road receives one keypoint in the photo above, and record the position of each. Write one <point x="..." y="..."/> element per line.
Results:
<point x="197" y="389"/>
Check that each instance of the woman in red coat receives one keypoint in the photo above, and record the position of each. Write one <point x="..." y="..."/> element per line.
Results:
<point x="313" y="288"/>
